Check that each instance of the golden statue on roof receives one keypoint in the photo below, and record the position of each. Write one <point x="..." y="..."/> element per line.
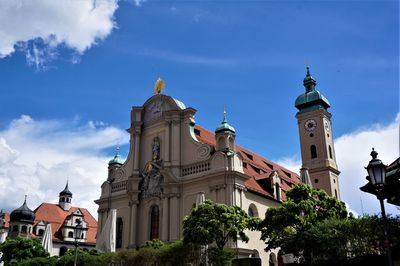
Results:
<point x="159" y="86"/>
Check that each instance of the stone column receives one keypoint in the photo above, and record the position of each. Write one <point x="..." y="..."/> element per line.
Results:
<point x="167" y="144"/>
<point x="137" y="147"/>
<point x="175" y="143"/>
<point x="132" y="223"/>
<point x="174" y="223"/>
<point x="165" y="219"/>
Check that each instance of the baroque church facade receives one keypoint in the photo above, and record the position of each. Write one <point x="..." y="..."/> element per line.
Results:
<point x="172" y="161"/>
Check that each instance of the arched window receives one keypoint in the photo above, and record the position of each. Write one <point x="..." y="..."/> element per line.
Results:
<point x="15" y="228"/>
<point x="24" y="228"/>
<point x="154" y="222"/>
<point x="277" y="191"/>
<point x="330" y="152"/>
<point x="313" y="149"/>
<point x="71" y="234"/>
<point x="40" y="233"/>
<point x="63" y="250"/>
<point x="120" y="227"/>
<point x="252" y="212"/>
<point x="62" y="199"/>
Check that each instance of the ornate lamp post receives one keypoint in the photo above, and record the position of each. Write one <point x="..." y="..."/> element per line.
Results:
<point x="78" y="236"/>
<point x="377" y="178"/>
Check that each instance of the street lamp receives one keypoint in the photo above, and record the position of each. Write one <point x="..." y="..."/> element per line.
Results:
<point x="78" y="236"/>
<point x="377" y="177"/>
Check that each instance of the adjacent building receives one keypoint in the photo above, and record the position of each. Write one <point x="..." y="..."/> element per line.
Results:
<point x="62" y="217"/>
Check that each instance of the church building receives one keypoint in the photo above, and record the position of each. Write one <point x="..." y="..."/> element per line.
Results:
<point x="172" y="161"/>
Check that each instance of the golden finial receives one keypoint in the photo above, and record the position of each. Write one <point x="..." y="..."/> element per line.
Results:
<point x="159" y="86"/>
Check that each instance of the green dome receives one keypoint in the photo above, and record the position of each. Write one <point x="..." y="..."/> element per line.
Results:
<point x="116" y="160"/>
<point x="312" y="99"/>
<point x="224" y="126"/>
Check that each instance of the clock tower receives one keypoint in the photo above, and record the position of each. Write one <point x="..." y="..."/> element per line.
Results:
<point x="316" y="138"/>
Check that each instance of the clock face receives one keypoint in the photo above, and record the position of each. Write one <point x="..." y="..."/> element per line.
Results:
<point x="310" y="125"/>
<point x="326" y="124"/>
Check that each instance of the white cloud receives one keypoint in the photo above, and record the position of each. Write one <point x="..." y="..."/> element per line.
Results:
<point x="39" y="27"/>
<point x="37" y="157"/>
<point x="353" y="154"/>
<point x="292" y="163"/>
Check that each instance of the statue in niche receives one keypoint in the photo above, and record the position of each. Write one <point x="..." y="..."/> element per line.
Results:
<point x="151" y="180"/>
<point x="156" y="149"/>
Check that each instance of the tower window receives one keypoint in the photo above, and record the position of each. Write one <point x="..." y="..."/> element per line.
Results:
<point x="336" y="193"/>
<point x="15" y="228"/>
<point x="313" y="150"/>
<point x="154" y="222"/>
<point x="24" y="229"/>
<point x="62" y="199"/>
<point x="330" y="152"/>
<point x="316" y="181"/>
<point x="71" y="234"/>
<point x="120" y="226"/>
<point x="311" y="135"/>
<point x="40" y="233"/>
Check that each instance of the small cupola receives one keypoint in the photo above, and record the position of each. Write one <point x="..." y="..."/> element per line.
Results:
<point x="225" y="136"/>
<point x="23" y="214"/>
<point x="117" y="160"/>
<point x="312" y="99"/>
<point x="114" y="164"/>
<point x="21" y="221"/>
<point x="65" y="198"/>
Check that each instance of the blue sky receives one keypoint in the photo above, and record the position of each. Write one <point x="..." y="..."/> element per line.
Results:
<point x="249" y="56"/>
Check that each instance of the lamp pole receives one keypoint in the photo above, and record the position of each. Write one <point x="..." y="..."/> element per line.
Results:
<point x="385" y="231"/>
<point x="377" y="177"/>
<point x="78" y="232"/>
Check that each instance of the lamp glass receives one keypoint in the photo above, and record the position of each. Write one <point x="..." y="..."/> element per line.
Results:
<point x="377" y="174"/>
<point x="78" y="232"/>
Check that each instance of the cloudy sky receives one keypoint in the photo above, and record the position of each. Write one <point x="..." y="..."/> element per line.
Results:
<point x="71" y="70"/>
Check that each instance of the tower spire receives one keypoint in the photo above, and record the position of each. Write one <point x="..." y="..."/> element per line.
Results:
<point x="309" y="82"/>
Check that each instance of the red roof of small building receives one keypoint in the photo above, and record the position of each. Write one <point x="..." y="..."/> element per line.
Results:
<point x="55" y="215"/>
<point x="6" y="220"/>
<point x="256" y="167"/>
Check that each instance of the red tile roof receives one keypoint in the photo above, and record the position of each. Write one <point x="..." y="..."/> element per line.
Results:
<point x="257" y="167"/>
<point x="6" y="219"/>
<point x="54" y="214"/>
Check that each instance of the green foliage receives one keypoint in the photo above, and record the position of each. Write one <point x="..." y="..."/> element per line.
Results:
<point x="21" y="248"/>
<point x="288" y="226"/>
<point x="158" y="253"/>
<point x="39" y="261"/>
<point x="216" y="223"/>
<point x="86" y="258"/>
<point x="315" y="227"/>
<point x="155" y="243"/>
<point x="220" y="257"/>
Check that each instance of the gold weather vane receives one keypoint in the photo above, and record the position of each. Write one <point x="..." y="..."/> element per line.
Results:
<point x="159" y="86"/>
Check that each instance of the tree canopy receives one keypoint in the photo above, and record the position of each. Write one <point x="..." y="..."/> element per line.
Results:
<point x="288" y="226"/>
<point x="215" y="223"/>
<point x="19" y="249"/>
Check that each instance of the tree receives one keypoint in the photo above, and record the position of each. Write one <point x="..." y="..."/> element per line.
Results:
<point x="21" y="248"/>
<point x="289" y="225"/>
<point x="216" y="223"/>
